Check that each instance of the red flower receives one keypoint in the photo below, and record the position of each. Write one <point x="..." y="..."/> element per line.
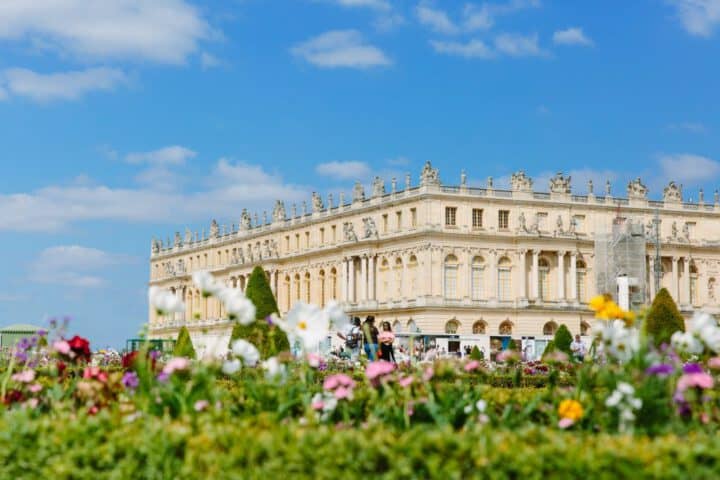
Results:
<point x="128" y="360"/>
<point x="13" y="396"/>
<point x="61" y="368"/>
<point x="81" y="347"/>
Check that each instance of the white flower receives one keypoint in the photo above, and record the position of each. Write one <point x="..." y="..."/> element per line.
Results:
<point x="231" y="366"/>
<point x="206" y="283"/>
<point x="686" y="342"/>
<point x="246" y="351"/>
<point x="625" y="388"/>
<point x="164" y="301"/>
<point x="237" y="305"/>
<point x="338" y="318"/>
<point x="307" y="323"/>
<point x="481" y="405"/>
<point x="620" y="342"/>
<point x="273" y="368"/>
<point x="614" y="399"/>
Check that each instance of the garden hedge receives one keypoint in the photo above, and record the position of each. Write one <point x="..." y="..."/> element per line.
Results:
<point x="183" y="345"/>
<point x="663" y="319"/>
<point x="216" y="447"/>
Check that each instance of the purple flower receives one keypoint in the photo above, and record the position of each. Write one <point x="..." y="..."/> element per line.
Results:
<point x="21" y="357"/>
<point x="23" y="344"/>
<point x="53" y="323"/>
<point x="268" y="319"/>
<point x="130" y="380"/>
<point x="154" y="354"/>
<point x="163" y="377"/>
<point x="661" y="370"/>
<point x="42" y="333"/>
<point x="692" y="368"/>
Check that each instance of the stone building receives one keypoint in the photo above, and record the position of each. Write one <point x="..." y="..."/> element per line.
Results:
<point x="455" y="265"/>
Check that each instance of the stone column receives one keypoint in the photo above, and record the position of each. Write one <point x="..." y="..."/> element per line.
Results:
<point x="351" y="280"/>
<point x="573" y="277"/>
<point x="363" y="277"/>
<point x="674" y="286"/>
<point x="493" y="293"/>
<point x="404" y="282"/>
<point x="523" y="276"/>
<point x="344" y="279"/>
<point x="686" y="281"/>
<point x="371" y="283"/>
<point x="535" y="275"/>
<point x="561" y="275"/>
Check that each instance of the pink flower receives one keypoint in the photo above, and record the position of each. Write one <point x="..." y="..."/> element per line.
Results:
<point x="700" y="380"/>
<point x="566" y="423"/>
<point x="338" y="380"/>
<point x="714" y="363"/>
<point x="317" y="405"/>
<point x="176" y="364"/>
<point x="201" y="405"/>
<point x="32" y="403"/>
<point x="314" y="360"/>
<point x="61" y="346"/>
<point x="378" y="369"/>
<point x="472" y="365"/>
<point x="26" y="376"/>
<point x="428" y="374"/>
<point x="35" y="387"/>
<point x="405" y="381"/>
<point x="343" y="392"/>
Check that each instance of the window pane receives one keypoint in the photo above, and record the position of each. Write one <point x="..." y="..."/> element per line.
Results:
<point x="477" y="283"/>
<point x="450" y="281"/>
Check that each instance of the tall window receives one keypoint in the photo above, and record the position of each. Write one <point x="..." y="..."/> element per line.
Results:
<point x="581" y="275"/>
<point x="693" y="284"/>
<point x="288" y="294"/>
<point x="398" y="216"/>
<point x="476" y="278"/>
<point x="307" y="287"/>
<point x="287" y="243"/>
<point x="451" y="327"/>
<point x="333" y="283"/>
<point x="385" y="223"/>
<point x="297" y="241"/>
<point x="543" y="279"/>
<point x="307" y="239"/>
<point x="385" y="279"/>
<point x="479" y="327"/>
<point x="398" y="278"/>
<point x="477" y="217"/>
<point x="504" y="219"/>
<point x="297" y="286"/>
<point x="450" y="216"/>
<point x="322" y="236"/>
<point x="413" y="217"/>
<point x="503" y="281"/>
<point x="412" y="272"/>
<point x="450" y="280"/>
<point x="322" y="288"/>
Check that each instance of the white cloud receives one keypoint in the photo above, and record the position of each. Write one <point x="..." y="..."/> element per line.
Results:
<point x="435" y="19"/>
<point x="72" y="85"/>
<point x="172" y="155"/>
<point x="698" y="17"/>
<point x="164" y="31"/>
<point x="571" y="36"/>
<point x="374" y="4"/>
<point x="208" y="60"/>
<point x="344" y="170"/>
<point x="474" y="17"/>
<point x="516" y="45"/>
<point x="472" y="49"/>
<point x="692" y="127"/>
<point x="687" y="167"/>
<point x="73" y="265"/>
<point x="391" y="21"/>
<point x="340" y="48"/>
<point x="228" y="189"/>
<point x="477" y="18"/>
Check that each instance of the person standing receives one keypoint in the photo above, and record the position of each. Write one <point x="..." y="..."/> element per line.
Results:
<point x="370" y="338"/>
<point x="353" y="338"/>
<point x="578" y="349"/>
<point x="386" y="339"/>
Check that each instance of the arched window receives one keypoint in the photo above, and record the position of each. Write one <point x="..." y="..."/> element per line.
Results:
<point x="581" y="280"/>
<point x="241" y="278"/>
<point x="322" y="288"/>
<point x="450" y="277"/>
<point x="584" y="328"/>
<point x="306" y="286"/>
<point x="543" y="279"/>
<point x="397" y="326"/>
<point x="333" y="284"/>
<point x="506" y="328"/>
<point x="452" y="326"/>
<point x="504" y="284"/>
<point x="297" y="287"/>
<point x="288" y="293"/>
<point x="693" y="283"/>
<point x="413" y="272"/>
<point x="398" y="278"/>
<point x="412" y="327"/>
<point x="384" y="293"/>
<point x="479" y="327"/>
<point x="550" y="328"/>
<point x="476" y="277"/>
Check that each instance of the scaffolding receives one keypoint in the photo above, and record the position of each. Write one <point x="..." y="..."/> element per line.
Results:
<point x="620" y="263"/>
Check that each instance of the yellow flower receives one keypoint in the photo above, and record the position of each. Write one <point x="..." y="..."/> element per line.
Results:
<point x="570" y="409"/>
<point x="597" y="303"/>
<point x="606" y="309"/>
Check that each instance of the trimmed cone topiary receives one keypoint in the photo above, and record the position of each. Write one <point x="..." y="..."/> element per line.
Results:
<point x="183" y="345"/>
<point x="563" y="339"/>
<point x="549" y="348"/>
<point x="663" y="319"/>
<point x="476" y="354"/>
<point x="269" y="340"/>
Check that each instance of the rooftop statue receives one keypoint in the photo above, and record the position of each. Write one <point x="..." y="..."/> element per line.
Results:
<point x="278" y="213"/>
<point x="636" y="189"/>
<point x="378" y="187"/>
<point x="520" y="182"/>
<point x="245" y="220"/>
<point x="560" y="183"/>
<point x="358" y="192"/>
<point x="429" y="175"/>
<point x="317" y="203"/>
<point x="188" y="236"/>
<point x="178" y="240"/>
<point x="214" y="230"/>
<point x="673" y="192"/>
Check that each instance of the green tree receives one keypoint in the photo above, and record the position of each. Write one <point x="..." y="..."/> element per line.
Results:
<point x="663" y="319"/>
<point x="563" y="339"/>
<point x="269" y="340"/>
<point x="183" y="345"/>
<point x="476" y="354"/>
<point x="549" y="348"/>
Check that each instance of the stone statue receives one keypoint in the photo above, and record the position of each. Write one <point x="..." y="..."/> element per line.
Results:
<point x="257" y="254"/>
<point x="717" y="197"/>
<point x="590" y="187"/>
<point x="378" y="187"/>
<point x="256" y="220"/>
<point x="519" y="182"/>
<point x="249" y="255"/>
<point x="265" y="218"/>
<point x="429" y="175"/>
<point x="274" y="248"/>
<point x="370" y="228"/>
<point x="560" y="183"/>
<point x="181" y="265"/>
<point x="489" y="182"/>
<point x="330" y="201"/>
<point x="317" y="203"/>
<point x="155" y="245"/>
<point x="559" y="224"/>
<point x="188" y="236"/>
<point x="607" y="188"/>
<point x="686" y="231"/>
<point x="637" y="190"/>
<point x="672" y="193"/>
<point x="711" y="289"/>
<point x="407" y="182"/>
<point x="701" y="196"/>
<point x="573" y="225"/>
<point x="393" y="185"/>
<point x="358" y="193"/>
<point x="214" y="230"/>
<point x="178" y="241"/>
<point x="463" y="178"/>
<point x="293" y="211"/>
<point x="341" y="202"/>
<point x="349" y="232"/>
<point x="521" y="222"/>
<point x="674" y="230"/>
<point x="278" y="213"/>
<point x="245" y="221"/>
<point x="266" y="249"/>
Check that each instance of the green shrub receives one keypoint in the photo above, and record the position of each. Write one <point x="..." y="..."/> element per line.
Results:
<point x="476" y="354"/>
<point x="563" y="339"/>
<point x="549" y="348"/>
<point x="663" y="319"/>
<point x="269" y="340"/>
<point x="183" y="345"/>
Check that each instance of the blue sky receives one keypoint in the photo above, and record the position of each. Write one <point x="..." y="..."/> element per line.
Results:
<point x="137" y="118"/>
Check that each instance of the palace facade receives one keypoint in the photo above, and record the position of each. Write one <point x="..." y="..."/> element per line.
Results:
<point x="457" y="264"/>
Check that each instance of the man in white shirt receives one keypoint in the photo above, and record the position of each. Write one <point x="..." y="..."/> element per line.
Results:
<point x="353" y="339"/>
<point x="578" y="349"/>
